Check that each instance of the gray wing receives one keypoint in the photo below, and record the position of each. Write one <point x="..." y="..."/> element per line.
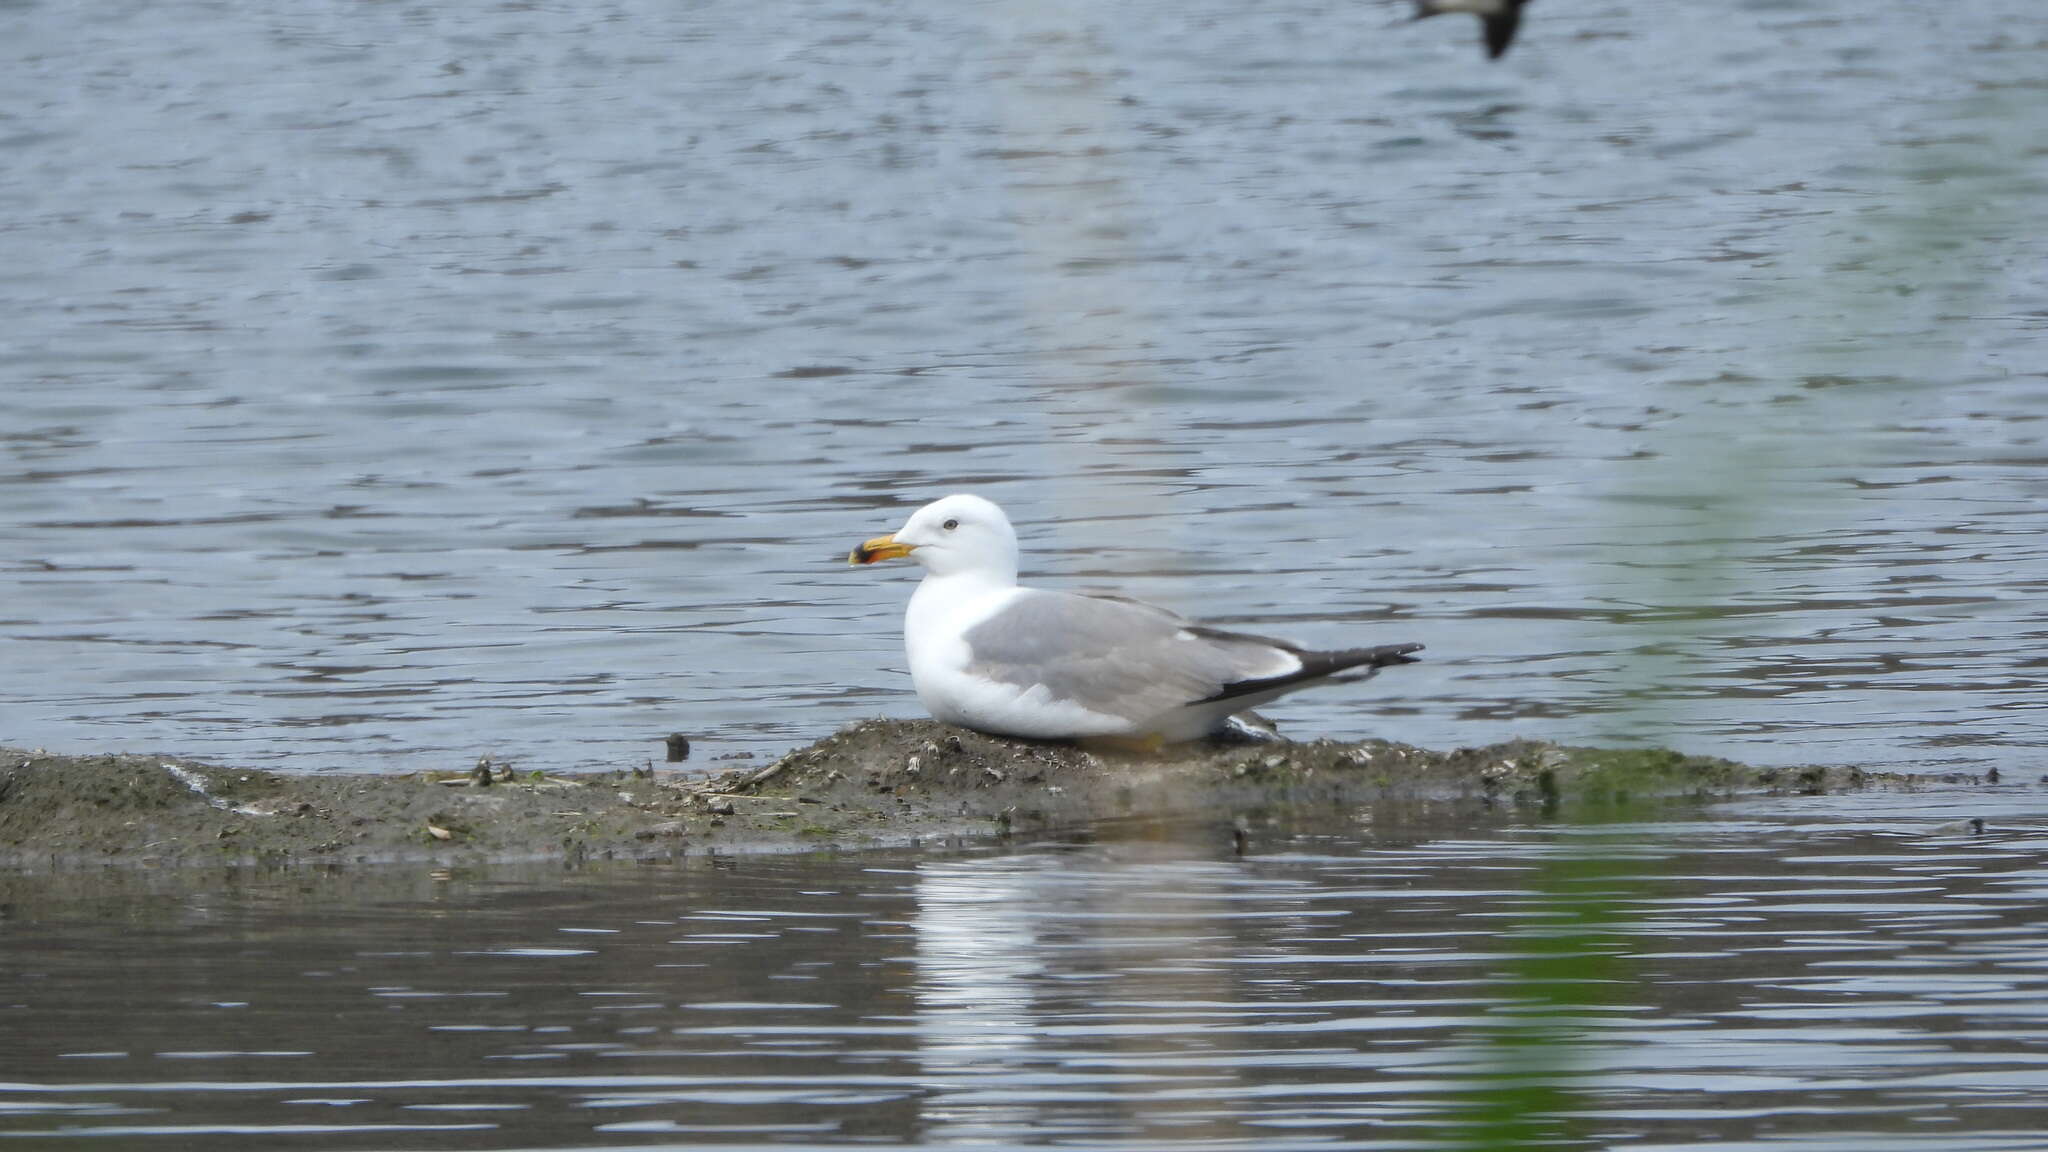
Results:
<point x="1117" y="657"/>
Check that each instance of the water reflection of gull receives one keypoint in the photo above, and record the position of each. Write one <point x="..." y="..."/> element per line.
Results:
<point x="977" y="956"/>
<point x="1049" y="988"/>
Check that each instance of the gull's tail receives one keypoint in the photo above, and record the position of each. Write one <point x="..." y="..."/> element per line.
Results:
<point x="1324" y="665"/>
<point x="1315" y="665"/>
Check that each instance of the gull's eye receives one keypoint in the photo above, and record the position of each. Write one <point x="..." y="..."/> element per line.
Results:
<point x="952" y="524"/>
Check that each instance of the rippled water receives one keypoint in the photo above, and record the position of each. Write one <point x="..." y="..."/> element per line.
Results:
<point x="387" y="383"/>
<point x="1820" y="973"/>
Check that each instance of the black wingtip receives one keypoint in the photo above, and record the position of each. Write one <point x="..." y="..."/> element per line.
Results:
<point x="1384" y="656"/>
<point x="1500" y="31"/>
<point x="1322" y="665"/>
<point x="1395" y="654"/>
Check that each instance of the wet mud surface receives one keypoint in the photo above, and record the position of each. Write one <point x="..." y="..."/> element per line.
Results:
<point x="876" y="783"/>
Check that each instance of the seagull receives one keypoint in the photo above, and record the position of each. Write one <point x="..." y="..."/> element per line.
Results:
<point x="988" y="654"/>
<point x="1499" y="16"/>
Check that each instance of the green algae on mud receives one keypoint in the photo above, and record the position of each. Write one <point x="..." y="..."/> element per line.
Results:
<point x="877" y="783"/>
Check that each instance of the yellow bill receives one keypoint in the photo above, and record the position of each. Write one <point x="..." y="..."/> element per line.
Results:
<point x="879" y="549"/>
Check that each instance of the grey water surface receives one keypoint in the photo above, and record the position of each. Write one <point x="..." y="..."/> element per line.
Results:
<point x="1825" y="973"/>
<point x="382" y="384"/>
<point x="385" y="383"/>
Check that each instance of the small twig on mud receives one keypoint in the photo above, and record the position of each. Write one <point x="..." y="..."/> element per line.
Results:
<point x="766" y="774"/>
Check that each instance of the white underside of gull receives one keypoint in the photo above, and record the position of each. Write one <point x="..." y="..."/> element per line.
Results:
<point x="942" y="611"/>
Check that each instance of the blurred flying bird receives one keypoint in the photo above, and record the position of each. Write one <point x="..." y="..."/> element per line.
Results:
<point x="1499" y="17"/>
